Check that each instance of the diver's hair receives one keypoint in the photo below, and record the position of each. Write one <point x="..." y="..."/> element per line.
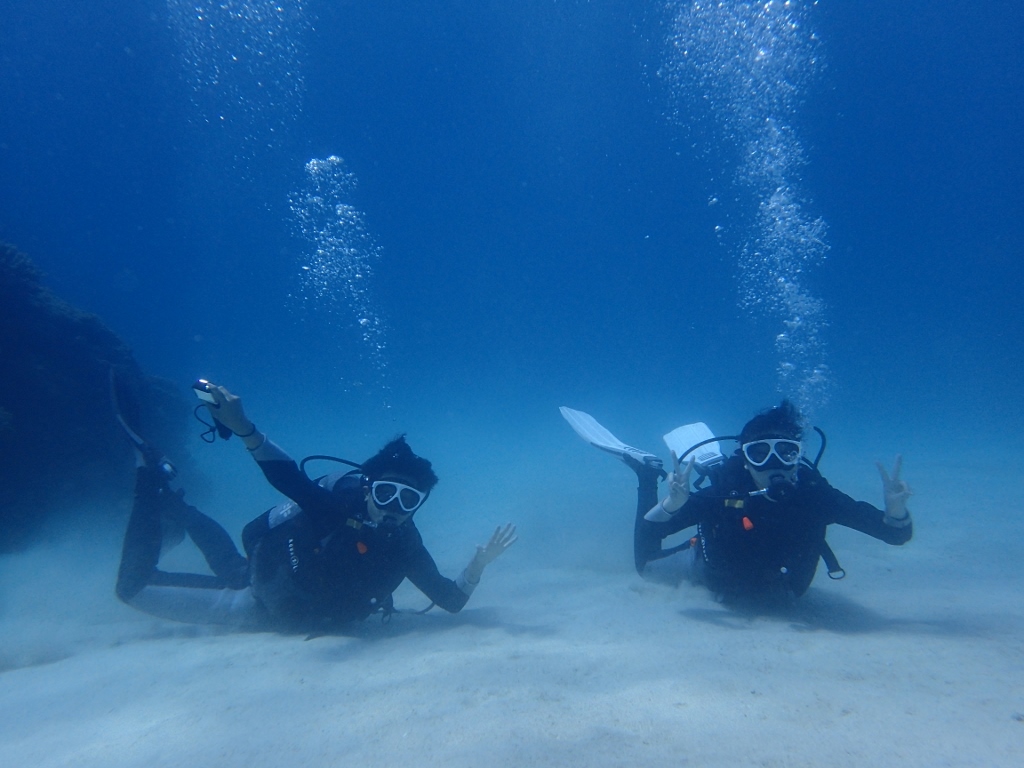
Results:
<point x="782" y="421"/>
<point x="397" y="459"/>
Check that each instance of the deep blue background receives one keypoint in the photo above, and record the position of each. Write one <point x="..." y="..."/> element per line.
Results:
<point x="545" y="228"/>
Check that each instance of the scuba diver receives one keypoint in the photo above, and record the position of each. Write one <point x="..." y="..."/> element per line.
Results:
<point x="761" y="522"/>
<point x="333" y="553"/>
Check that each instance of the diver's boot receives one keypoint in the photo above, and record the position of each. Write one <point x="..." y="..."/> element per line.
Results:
<point x="649" y="466"/>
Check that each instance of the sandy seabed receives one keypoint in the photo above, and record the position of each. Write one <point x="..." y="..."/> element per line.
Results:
<point x="916" y="658"/>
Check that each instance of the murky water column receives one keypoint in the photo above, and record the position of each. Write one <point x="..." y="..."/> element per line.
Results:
<point x="338" y="268"/>
<point x="749" y="64"/>
<point x="243" y="64"/>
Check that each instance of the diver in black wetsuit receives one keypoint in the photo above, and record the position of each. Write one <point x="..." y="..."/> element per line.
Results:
<point x="760" y="525"/>
<point x="333" y="554"/>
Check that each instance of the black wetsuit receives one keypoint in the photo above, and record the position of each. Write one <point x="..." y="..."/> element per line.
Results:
<point x="313" y="563"/>
<point x="321" y="561"/>
<point x="752" y="546"/>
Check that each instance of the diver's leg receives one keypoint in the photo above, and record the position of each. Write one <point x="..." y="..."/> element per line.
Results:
<point x="143" y="538"/>
<point x="154" y="502"/>
<point x="646" y="539"/>
<point x="223" y="598"/>
<point x="154" y="505"/>
<point x="193" y="604"/>
<point x="229" y="567"/>
<point x="157" y="512"/>
<point x="216" y="545"/>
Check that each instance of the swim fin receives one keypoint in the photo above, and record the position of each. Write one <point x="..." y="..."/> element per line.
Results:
<point x="698" y="442"/>
<point x="586" y="426"/>
<point x="150" y="455"/>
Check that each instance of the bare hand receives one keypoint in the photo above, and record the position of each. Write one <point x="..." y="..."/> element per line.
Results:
<point x="228" y="410"/>
<point x="500" y="541"/>
<point x="678" y="485"/>
<point x="896" y="491"/>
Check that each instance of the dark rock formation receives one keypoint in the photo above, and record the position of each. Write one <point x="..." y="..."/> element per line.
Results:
<point x="60" y="448"/>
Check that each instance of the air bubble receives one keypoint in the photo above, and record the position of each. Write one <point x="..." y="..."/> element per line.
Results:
<point x="749" y="64"/>
<point x="242" y="63"/>
<point x="337" y="281"/>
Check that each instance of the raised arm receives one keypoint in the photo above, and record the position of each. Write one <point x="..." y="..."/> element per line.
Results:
<point x="452" y="595"/>
<point x="893" y="525"/>
<point x="278" y="467"/>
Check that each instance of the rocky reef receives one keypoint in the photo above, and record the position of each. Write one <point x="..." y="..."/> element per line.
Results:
<point x="60" y="448"/>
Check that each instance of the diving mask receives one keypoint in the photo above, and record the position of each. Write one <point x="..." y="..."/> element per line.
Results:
<point x="759" y="452"/>
<point x="385" y="492"/>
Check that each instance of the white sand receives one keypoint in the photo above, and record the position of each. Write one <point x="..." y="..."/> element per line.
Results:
<point x="563" y="656"/>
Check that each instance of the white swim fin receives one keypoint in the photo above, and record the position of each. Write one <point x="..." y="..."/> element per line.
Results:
<point x="586" y="426"/>
<point x="682" y="439"/>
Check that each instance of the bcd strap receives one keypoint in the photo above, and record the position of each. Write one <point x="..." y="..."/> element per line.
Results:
<point x="663" y="553"/>
<point x="835" y="571"/>
<point x="386" y="608"/>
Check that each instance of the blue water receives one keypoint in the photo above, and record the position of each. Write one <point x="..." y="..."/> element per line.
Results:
<point x="538" y="184"/>
<point x="656" y="212"/>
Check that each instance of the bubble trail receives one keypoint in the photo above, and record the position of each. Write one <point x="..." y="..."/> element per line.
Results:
<point x="747" y="65"/>
<point x="243" y="64"/>
<point x="337" y="273"/>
